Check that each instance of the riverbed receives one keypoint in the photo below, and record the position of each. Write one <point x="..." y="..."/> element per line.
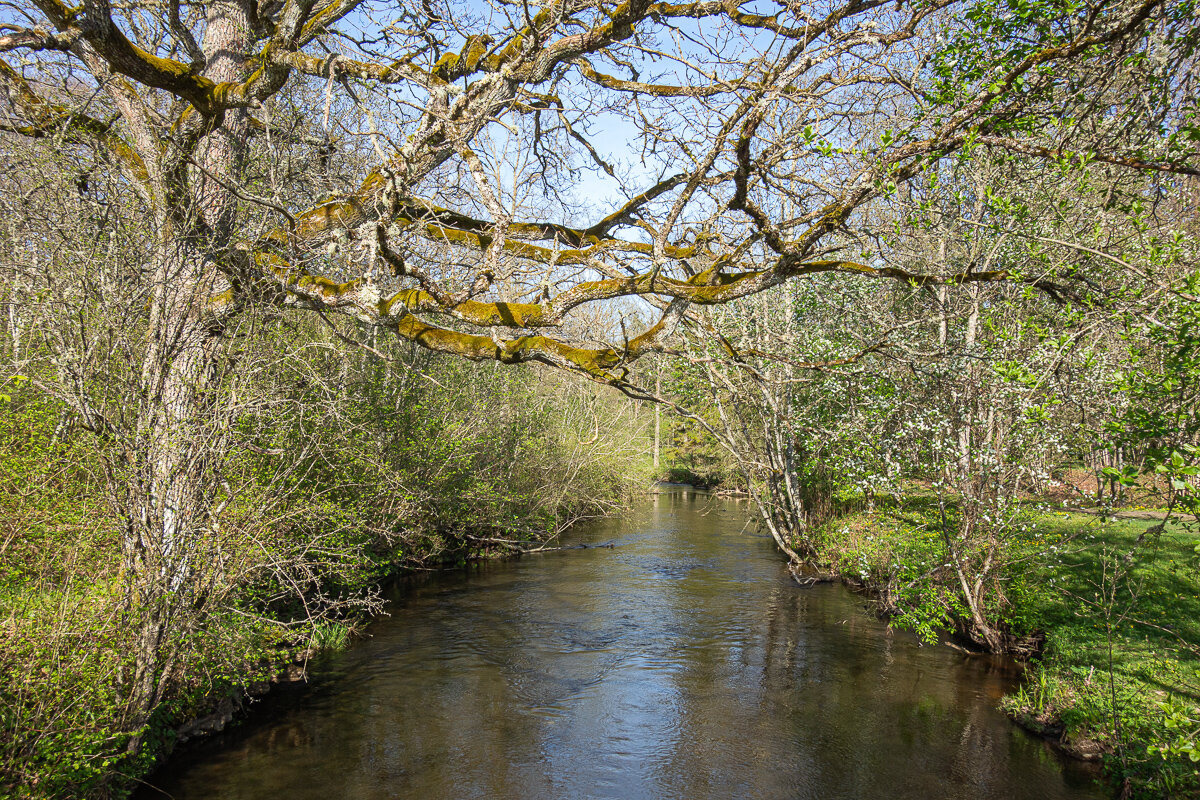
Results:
<point x="681" y="662"/>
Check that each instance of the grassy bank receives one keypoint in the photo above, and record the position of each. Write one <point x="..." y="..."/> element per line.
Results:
<point x="1117" y="602"/>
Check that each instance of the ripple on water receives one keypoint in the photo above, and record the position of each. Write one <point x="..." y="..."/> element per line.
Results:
<point x="682" y="663"/>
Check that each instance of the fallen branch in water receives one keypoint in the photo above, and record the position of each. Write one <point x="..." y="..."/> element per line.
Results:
<point x="515" y="545"/>
<point x="809" y="580"/>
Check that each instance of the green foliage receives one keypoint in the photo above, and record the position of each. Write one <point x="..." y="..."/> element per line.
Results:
<point x="62" y="649"/>
<point x="1161" y="422"/>
<point x="901" y="553"/>
<point x="1181" y="729"/>
<point x="994" y="34"/>
<point x="898" y="557"/>
<point x="356" y="470"/>
<point x="691" y="455"/>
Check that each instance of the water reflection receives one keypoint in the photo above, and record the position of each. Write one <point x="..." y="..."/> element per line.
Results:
<point x="682" y="663"/>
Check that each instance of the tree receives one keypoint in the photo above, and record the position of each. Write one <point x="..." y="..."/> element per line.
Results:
<point x="357" y="159"/>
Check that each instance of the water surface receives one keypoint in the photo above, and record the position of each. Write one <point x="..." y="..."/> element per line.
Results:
<point x="683" y="662"/>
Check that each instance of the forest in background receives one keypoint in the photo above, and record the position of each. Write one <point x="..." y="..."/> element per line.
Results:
<point x="301" y="293"/>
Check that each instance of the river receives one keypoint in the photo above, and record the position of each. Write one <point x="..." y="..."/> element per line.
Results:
<point x="682" y="662"/>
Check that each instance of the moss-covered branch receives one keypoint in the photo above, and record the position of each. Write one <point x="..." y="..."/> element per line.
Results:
<point x="44" y="119"/>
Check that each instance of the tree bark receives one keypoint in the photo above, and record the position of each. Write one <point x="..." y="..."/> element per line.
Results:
<point x="177" y="448"/>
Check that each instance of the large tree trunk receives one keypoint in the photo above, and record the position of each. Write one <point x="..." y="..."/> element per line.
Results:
<point x="178" y="444"/>
<point x="172" y="479"/>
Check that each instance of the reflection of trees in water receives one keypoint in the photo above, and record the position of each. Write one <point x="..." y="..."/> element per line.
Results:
<point x="859" y="711"/>
<point x="682" y="664"/>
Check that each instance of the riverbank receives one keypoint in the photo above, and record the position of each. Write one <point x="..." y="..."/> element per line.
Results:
<point x="308" y="525"/>
<point x="682" y="662"/>
<point x="1116" y="603"/>
<point x="66" y="659"/>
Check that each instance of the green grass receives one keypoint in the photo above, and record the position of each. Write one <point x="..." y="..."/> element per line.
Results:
<point x="1121" y="608"/>
<point x="1118" y="602"/>
<point x="1124" y="581"/>
<point x="330" y="636"/>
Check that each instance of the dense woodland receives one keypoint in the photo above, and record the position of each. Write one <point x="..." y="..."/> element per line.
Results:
<point x="299" y="295"/>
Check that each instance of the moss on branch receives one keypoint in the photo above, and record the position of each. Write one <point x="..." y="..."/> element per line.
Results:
<point x="49" y="119"/>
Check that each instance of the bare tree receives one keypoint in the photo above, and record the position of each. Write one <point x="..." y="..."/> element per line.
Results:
<point x="353" y="158"/>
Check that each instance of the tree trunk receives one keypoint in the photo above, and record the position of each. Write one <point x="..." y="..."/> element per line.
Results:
<point x="178" y="444"/>
<point x="657" y="414"/>
<point x="174" y="455"/>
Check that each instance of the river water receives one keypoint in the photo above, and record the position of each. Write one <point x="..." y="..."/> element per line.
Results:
<point x="683" y="662"/>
